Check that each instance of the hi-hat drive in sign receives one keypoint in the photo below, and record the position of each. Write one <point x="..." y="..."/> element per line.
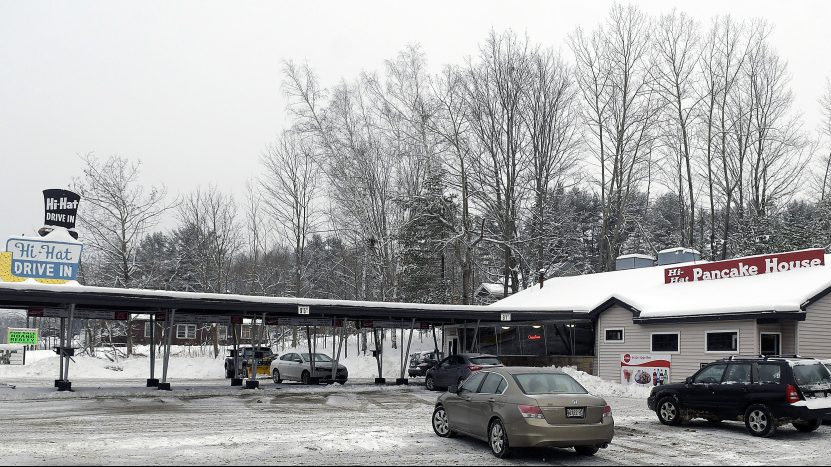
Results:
<point x="61" y="208"/>
<point x="22" y="336"/>
<point x="44" y="259"/>
<point x="743" y="267"/>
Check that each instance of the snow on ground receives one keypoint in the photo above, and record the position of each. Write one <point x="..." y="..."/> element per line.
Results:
<point x="358" y="423"/>
<point x="600" y="387"/>
<point x="196" y="363"/>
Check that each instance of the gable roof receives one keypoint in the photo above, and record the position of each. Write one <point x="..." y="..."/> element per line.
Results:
<point x="644" y="292"/>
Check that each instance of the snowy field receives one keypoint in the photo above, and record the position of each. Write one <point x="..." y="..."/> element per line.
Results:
<point x="110" y="418"/>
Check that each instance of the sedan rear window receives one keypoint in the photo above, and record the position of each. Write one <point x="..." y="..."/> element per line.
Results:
<point x="809" y="375"/>
<point x="485" y="361"/>
<point x="548" y="383"/>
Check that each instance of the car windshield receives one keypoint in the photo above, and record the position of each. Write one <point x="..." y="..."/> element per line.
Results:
<point x="811" y="374"/>
<point x="485" y="361"/>
<point x="319" y="357"/>
<point x="548" y="383"/>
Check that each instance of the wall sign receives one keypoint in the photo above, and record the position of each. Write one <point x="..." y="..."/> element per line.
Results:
<point x="743" y="267"/>
<point x="22" y="336"/>
<point x="645" y="369"/>
<point x="12" y="355"/>
<point x="44" y="259"/>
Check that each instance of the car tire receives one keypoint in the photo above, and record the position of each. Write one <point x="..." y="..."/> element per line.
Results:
<point x="342" y="382"/>
<point x="441" y="425"/>
<point x="669" y="412"/>
<point x="586" y="450"/>
<point x="229" y="373"/>
<point x="275" y="375"/>
<point x="430" y="383"/>
<point x="807" y="426"/>
<point x="305" y="378"/>
<point x="498" y="439"/>
<point x="759" y="421"/>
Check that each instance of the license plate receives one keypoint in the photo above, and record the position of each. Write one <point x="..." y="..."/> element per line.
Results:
<point x="575" y="413"/>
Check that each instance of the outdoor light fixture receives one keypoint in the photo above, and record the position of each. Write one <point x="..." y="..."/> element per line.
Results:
<point x="536" y="326"/>
<point x="506" y="327"/>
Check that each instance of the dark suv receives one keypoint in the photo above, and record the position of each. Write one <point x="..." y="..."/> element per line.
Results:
<point x="764" y="392"/>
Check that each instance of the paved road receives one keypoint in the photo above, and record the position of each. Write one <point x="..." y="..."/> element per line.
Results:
<point x="209" y="422"/>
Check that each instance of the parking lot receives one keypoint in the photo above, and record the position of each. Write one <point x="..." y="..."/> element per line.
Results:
<point x="105" y="421"/>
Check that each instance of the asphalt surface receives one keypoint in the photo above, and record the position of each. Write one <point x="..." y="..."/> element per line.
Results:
<point x="208" y="422"/>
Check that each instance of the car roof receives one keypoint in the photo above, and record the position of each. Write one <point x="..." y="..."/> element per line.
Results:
<point x="476" y="355"/>
<point x="521" y="370"/>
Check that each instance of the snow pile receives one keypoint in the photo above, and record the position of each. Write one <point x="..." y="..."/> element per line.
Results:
<point x="44" y="364"/>
<point x="600" y="387"/>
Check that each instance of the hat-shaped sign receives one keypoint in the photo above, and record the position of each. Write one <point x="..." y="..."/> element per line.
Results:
<point x="61" y="208"/>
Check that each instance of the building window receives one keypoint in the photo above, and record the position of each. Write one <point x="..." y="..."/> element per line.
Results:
<point x="246" y="332"/>
<point x="665" y="342"/>
<point x="613" y="335"/>
<point x="722" y="341"/>
<point x="147" y="329"/>
<point x="223" y="331"/>
<point x="186" y="331"/>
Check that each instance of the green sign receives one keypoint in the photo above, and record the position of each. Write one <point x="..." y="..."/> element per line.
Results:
<point x="23" y="336"/>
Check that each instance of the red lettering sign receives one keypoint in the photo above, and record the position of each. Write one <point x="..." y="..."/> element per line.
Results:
<point x="743" y="267"/>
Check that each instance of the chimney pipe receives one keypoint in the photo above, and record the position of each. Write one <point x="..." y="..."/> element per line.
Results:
<point x="542" y="277"/>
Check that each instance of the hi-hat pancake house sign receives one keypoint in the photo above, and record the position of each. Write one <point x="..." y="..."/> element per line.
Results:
<point x="744" y="267"/>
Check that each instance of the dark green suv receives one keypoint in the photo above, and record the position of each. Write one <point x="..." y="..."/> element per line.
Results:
<point x="764" y="392"/>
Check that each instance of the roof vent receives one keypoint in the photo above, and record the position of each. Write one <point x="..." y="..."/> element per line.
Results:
<point x="677" y="255"/>
<point x="634" y="261"/>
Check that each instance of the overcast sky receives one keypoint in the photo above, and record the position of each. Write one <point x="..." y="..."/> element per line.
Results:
<point x="192" y="89"/>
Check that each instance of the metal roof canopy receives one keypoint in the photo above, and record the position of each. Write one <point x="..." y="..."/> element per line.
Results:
<point x="186" y="303"/>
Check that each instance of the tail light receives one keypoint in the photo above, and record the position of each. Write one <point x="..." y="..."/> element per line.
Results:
<point x="791" y="394"/>
<point x="607" y="411"/>
<point x="474" y="368"/>
<point x="531" y="411"/>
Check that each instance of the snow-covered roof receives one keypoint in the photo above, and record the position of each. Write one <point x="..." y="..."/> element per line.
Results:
<point x="491" y="288"/>
<point x="636" y="255"/>
<point x="645" y="290"/>
<point x="679" y="249"/>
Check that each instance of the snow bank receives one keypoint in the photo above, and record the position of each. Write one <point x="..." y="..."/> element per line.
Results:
<point x="603" y="388"/>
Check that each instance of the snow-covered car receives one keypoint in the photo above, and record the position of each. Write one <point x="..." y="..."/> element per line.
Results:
<point x="294" y="366"/>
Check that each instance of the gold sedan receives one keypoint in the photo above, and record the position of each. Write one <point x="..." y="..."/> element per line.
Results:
<point x="513" y="407"/>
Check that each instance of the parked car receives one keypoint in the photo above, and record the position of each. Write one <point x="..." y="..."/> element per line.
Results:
<point x="764" y="392"/>
<point x="511" y="407"/>
<point x="264" y="358"/>
<point x="456" y="368"/>
<point x="420" y="362"/>
<point x="297" y="367"/>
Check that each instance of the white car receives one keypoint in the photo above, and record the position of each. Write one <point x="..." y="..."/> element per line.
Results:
<point x="297" y="367"/>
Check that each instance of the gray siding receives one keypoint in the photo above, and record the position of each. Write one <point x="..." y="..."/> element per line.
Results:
<point x="637" y="339"/>
<point x="788" y="331"/>
<point x="814" y="339"/>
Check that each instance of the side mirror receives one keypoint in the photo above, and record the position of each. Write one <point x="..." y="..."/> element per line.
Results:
<point x="453" y="389"/>
<point x="689" y="380"/>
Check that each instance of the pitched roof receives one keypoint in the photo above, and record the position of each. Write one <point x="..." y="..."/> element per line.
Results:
<point x="644" y="291"/>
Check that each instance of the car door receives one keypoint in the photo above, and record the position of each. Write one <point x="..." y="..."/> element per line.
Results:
<point x="440" y="376"/>
<point x="458" y="370"/>
<point x="700" y="394"/>
<point x="731" y="394"/>
<point x="464" y="407"/>
<point x="482" y="404"/>
<point x="292" y="366"/>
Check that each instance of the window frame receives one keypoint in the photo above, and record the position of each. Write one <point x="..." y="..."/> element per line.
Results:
<point x="722" y="331"/>
<point x="677" y="342"/>
<point x="488" y="373"/>
<point x="147" y="325"/>
<point x="187" y="327"/>
<point x="775" y="333"/>
<point x="622" y="336"/>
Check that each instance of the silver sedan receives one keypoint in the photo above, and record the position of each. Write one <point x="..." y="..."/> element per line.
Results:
<point x="298" y="367"/>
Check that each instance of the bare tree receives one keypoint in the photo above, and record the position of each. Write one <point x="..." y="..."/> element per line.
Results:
<point x="494" y="98"/>
<point x="116" y="214"/>
<point x="825" y="130"/>
<point x="290" y="184"/>
<point x="676" y="56"/>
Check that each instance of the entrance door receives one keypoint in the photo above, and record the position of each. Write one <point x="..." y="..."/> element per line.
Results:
<point x="770" y="343"/>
